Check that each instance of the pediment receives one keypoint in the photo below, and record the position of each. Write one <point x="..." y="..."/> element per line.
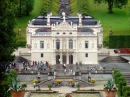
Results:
<point x="63" y="26"/>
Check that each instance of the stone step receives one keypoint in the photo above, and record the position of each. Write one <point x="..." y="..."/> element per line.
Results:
<point x="114" y="59"/>
<point x="64" y="76"/>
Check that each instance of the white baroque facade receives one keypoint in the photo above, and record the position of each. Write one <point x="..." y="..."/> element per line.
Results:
<point x="64" y="39"/>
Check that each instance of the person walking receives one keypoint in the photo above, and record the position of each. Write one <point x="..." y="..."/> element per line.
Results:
<point x="34" y="84"/>
<point x="64" y="71"/>
<point x="38" y="76"/>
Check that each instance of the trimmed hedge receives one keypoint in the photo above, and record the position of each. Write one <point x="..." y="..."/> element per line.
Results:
<point x="126" y="91"/>
<point x="119" y="41"/>
<point x="121" y="82"/>
<point x="21" y="43"/>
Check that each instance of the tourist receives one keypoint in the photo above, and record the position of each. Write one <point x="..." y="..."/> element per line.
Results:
<point x="34" y="84"/>
<point x="89" y="76"/>
<point x="52" y="70"/>
<point x="64" y="70"/>
<point x="38" y="76"/>
<point x="73" y="85"/>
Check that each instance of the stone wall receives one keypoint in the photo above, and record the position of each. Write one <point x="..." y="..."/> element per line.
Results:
<point x="98" y="76"/>
<point x="30" y="77"/>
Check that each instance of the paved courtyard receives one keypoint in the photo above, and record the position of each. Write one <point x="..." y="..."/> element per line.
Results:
<point x="123" y="67"/>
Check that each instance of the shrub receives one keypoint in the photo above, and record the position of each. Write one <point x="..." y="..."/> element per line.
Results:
<point x="105" y="43"/>
<point x="21" y="44"/>
<point x="124" y="89"/>
<point x="110" y="85"/>
<point x="115" y="41"/>
<point x="120" y="86"/>
<point x="58" y="80"/>
<point x="49" y="85"/>
<point x="15" y="86"/>
<point x="35" y="81"/>
<point x="93" y="81"/>
<point x="71" y="80"/>
<point x="78" y="85"/>
<point x="38" y="89"/>
<point x="127" y="93"/>
<point x="116" y="76"/>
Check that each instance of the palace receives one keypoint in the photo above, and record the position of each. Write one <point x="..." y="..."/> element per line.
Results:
<point x="64" y="39"/>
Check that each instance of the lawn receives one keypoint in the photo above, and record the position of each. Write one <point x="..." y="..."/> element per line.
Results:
<point x="74" y="7"/>
<point x="119" y="20"/>
<point x="22" y="22"/>
<point x="55" y="7"/>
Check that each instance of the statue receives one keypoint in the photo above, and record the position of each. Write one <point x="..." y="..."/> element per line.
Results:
<point x="110" y="30"/>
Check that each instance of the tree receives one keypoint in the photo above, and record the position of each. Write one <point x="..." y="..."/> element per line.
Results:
<point x="46" y="7"/>
<point x="29" y="4"/>
<point x="113" y="3"/>
<point x="7" y="40"/>
<point x="24" y="7"/>
<point x="83" y="7"/>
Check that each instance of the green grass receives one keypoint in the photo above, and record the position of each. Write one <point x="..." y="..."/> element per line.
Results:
<point x="119" y="20"/>
<point x="74" y="7"/>
<point x="55" y="7"/>
<point x="23" y="21"/>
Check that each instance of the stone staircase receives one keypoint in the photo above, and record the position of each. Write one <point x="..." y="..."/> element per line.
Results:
<point x="127" y="77"/>
<point x="19" y="59"/>
<point x="114" y="59"/>
<point x="65" y="77"/>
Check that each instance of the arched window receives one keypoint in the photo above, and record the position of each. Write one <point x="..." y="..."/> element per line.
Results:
<point x="70" y="44"/>
<point x="58" y="44"/>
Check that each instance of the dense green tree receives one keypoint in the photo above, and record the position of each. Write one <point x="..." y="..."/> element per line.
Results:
<point x="46" y="7"/>
<point x="29" y="6"/>
<point x="83" y="7"/>
<point x="24" y="7"/>
<point x="7" y="40"/>
<point x="113" y="3"/>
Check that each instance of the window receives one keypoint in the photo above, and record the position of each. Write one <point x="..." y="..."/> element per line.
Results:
<point x="86" y="44"/>
<point x="86" y="54"/>
<point x="58" y="44"/>
<point x="70" y="44"/>
<point x="41" y="44"/>
<point x="70" y="33"/>
<point x="41" y="54"/>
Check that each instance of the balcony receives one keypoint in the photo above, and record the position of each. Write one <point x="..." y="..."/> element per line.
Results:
<point x="64" y="50"/>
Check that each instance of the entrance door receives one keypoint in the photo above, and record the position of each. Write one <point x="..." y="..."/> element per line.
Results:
<point x="70" y="59"/>
<point x="57" y="59"/>
<point x="64" y="59"/>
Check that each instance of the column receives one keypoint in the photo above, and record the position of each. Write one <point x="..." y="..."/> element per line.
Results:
<point x="61" y="62"/>
<point x="61" y="43"/>
<point x="67" y="58"/>
<point x="76" y="44"/>
<point x="67" y="43"/>
<point x="54" y="44"/>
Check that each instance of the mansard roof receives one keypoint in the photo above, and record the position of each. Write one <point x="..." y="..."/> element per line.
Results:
<point x="85" y="29"/>
<point x="86" y="20"/>
<point x="41" y="30"/>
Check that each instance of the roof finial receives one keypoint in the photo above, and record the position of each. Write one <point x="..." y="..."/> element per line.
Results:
<point x="63" y="16"/>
